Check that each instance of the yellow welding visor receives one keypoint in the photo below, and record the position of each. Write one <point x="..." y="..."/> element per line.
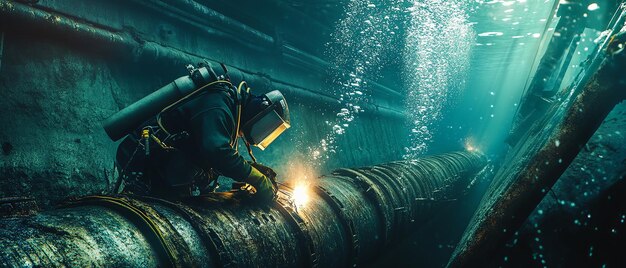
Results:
<point x="267" y="129"/>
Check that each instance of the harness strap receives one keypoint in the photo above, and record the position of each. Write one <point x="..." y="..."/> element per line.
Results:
<point x="239" y="107"/>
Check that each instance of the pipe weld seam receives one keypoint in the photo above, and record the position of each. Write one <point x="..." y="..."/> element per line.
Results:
<point x="347" y="223"/>
<point x="212" y="242"/>
<point x="304" y="237"/>
<point x="376" y="199"/>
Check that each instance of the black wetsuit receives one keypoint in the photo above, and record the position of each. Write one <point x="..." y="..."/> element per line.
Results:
<point x="208" y="121"/>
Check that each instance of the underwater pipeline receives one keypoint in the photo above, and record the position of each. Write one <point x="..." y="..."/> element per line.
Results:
<point x="351" y="215"/>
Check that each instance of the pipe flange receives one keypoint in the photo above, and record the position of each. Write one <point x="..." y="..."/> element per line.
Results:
<point x="347" y="223"/>
<point x="304" y="237"/>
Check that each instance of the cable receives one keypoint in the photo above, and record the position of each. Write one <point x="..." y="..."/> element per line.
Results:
<point x="143" y="220"/>
<point x="235" y="142"/>
<point x="239" y="107"/>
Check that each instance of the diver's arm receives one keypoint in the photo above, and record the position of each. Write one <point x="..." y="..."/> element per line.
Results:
<point x="211" y="130"/>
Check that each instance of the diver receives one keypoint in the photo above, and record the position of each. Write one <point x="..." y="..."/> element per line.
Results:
<point x="181" y="151"/>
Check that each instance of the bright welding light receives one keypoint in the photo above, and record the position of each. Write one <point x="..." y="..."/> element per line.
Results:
<point x="301" y="177"/>
<point x="469" y="146"/>
<point x="300" y="195"/>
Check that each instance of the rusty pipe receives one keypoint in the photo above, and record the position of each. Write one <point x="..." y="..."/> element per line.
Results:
<point x="352" y="215"/>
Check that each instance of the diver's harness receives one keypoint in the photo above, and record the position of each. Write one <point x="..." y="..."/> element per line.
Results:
<point x="159" y="137"/>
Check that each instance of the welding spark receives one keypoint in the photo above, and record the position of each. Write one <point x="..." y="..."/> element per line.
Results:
<point x="469" y="148"/>
<point x="469" y="145"/>
<point x="300" y="195"/>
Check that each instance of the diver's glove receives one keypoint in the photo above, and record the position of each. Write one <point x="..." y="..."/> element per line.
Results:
<point x="265" y="190"/>
<point x="267" y="171"/>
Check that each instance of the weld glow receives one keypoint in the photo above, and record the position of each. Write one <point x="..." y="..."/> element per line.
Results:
<point x="469" y="146"/>
<point x="300" y="195"/>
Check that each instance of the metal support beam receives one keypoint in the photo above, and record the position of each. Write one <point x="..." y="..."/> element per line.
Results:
<point x="202" y="15"/>
<point x="517" y="190"/>
<point x="350" y="217"/>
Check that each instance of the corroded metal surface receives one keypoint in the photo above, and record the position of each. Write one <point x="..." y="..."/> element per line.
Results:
<point x="351" y="216"/>
<point x="18" y="206"/>
<point x="81" y="236"/>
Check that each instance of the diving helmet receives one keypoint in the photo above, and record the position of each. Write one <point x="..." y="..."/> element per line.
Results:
<point x="265" y="118"/>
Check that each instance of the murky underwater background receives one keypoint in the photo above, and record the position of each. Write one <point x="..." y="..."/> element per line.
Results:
<point x="465" y="67"/>
<point x="367" y="82"/>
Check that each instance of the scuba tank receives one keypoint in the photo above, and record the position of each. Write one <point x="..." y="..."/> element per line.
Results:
<point x="128" y="119"/>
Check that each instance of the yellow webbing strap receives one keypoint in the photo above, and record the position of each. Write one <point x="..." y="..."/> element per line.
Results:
<point x="235" y="138"/>
<point x="239" y="105"/>
<point x="145" y="220"/>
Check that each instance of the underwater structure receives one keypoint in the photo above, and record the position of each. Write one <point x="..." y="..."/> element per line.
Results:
<point x="522" y="182"/>
<point x="555" y="173"/>
<point x="101" y="63"/>
<point x="350" y="216"/>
